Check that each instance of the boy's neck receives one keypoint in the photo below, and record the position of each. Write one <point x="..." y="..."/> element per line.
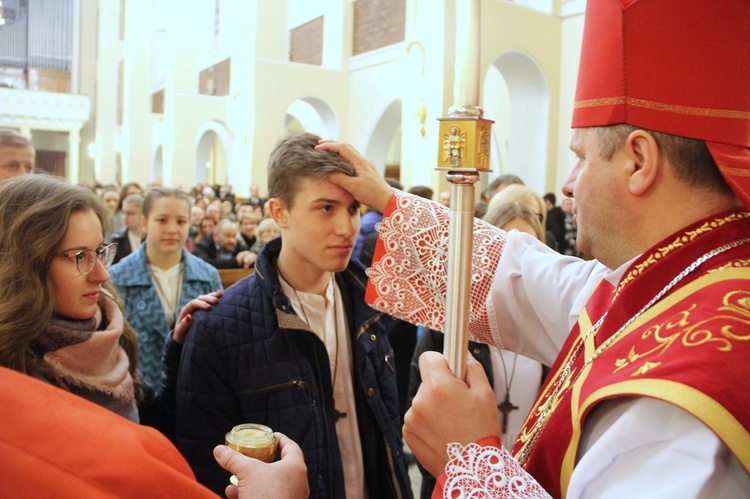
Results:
<point x="303" y="278"/>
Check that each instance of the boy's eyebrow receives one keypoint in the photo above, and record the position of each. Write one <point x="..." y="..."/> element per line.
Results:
<point x="326" y="200"/>
<point x="332" y="201"/>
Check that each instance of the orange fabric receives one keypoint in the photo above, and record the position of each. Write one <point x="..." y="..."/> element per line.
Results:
<point x="371" y="293"/>
<point x="55" y="444"/>
<point x="670" y="66"/>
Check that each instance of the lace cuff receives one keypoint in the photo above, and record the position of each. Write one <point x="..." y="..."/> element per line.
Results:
<point x="485" y="470"/>
<point x="409" y="274"/>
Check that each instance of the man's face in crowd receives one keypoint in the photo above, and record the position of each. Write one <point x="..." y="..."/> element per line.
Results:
<point x="196" y="215"/>
<point x="207" y="226"/>
<point x="244" y="210"/>
<point x="567" y="206"/>
<point x="445" y="199"/>
<point x="270" y="233"/>
<point x="16" y="161"/>
<point x="213" y="211"/>
<point x="132" y="213"/>
<point x="226" y="237"/>
<point x="248" y="225"/>
<point x="111" y="198"/>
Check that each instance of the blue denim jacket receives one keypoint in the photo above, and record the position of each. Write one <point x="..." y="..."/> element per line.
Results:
<point x="143" y="310"/>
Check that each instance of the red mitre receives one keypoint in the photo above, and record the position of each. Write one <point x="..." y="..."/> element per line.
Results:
<point x="672" y="66"/>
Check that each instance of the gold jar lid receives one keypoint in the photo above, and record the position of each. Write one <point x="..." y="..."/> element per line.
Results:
<point x="251" y="435"/>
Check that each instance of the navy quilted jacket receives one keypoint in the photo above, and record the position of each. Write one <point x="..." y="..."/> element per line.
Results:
<point x="250" y="359"/>
<point x="143" y="309"/>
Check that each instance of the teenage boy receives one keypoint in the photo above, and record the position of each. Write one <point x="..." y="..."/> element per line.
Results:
<point x="295" y="347"/>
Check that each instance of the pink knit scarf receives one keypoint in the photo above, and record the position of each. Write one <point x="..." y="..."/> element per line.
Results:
<point x="94" y="359"/>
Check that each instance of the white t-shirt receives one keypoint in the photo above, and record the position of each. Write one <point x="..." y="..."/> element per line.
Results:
<point x="326" y="317"/>
<point x="168" y="284"/>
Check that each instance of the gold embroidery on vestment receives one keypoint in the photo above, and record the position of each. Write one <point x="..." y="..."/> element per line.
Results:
<point x="661" y="106"/>
<point x="736" y="264"/>
<point x="678" y="242"/>
<point x="717" y="330"/>
<point x="735" y="172"/>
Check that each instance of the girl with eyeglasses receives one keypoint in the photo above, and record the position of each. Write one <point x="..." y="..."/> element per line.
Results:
<point x="161" y="277"/>
<point x="60" y="320"/>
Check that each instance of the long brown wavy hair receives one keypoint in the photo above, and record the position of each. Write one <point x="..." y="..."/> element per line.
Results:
<point x="34" y="214"/>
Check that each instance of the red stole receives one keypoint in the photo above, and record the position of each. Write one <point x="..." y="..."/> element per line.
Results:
<point x="676" y="350"/>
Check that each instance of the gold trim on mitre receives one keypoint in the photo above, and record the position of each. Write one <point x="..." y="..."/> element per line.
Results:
<point x="662" y="106"/>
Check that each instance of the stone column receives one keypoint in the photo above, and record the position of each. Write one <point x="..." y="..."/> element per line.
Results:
<point x="74" y="153"/>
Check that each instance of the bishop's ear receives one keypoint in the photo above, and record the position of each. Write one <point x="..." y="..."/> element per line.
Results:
<point x="279" y="213"/>
<point x="645" y="159"/>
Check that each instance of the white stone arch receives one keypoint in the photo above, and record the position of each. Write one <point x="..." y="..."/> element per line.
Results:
<point x="205" y="137"/>
<point x="314" y="115"/>
<point x="516" y="97"/>
<point x="383" y="143"/>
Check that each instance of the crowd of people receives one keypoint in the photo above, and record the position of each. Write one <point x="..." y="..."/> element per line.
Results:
<point x="162" y="248"/>
<point x="221" y="229"/>
<point x="604" y="376"/>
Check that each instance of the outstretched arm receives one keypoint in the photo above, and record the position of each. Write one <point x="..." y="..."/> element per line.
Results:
<point x="408" y="275"/>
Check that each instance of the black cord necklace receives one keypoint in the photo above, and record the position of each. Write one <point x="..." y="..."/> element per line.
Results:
<point x="334" y="367"/>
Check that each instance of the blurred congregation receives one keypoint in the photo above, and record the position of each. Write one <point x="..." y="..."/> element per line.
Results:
<point x="215" y="214"/>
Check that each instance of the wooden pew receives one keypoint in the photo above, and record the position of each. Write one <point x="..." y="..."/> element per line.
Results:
<point x="230" y="276"/>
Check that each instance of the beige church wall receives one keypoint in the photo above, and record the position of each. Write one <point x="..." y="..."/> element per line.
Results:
<point x="371" y="90"/>
<point x="429" y="55"/>
<point x="191" y="111"/>
<point x="137" y="143"/>
<point x="138" y="121"/>
<point x="88" y="83"/>
<point x="507" y="27"/>
<point x="105" y="103"/>
<point x="264" y="85"/>
<point x="277" y="86"/>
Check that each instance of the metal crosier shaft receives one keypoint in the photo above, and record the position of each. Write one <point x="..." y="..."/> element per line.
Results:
<point x="460" y="238"/>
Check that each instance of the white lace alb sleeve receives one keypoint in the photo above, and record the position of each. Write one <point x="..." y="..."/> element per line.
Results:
<point x="410" y="279"/>
<point x="478" y="471"/>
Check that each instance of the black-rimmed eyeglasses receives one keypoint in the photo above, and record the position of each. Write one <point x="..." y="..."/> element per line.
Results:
<point x="86" y="259"/>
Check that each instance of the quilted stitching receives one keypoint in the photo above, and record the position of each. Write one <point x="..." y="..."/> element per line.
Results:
<point x="238" y="366"/>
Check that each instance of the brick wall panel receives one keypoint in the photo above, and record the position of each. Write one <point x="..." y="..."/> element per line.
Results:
<point x="306" y="43"/>
<point x="378" y="23"/>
